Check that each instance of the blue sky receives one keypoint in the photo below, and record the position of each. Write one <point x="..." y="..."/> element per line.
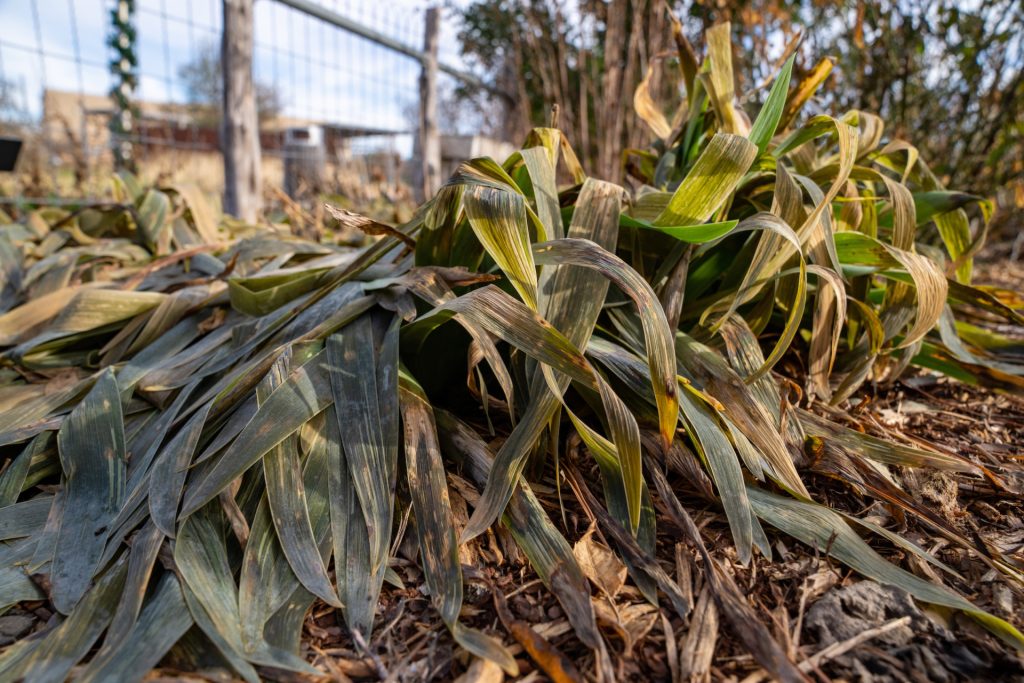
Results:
<point x="320" y="72"/>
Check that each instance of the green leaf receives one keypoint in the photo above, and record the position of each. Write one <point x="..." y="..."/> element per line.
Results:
<point x="657" y="336"/>
<point x="285" y="627"/>
<point x="154" y="228"/>
<point x="286" y="495"/>
<point x="170" y="470"/>
<point x="548" y="551"/>
<point x="932" y="203"/>
<point x="261" y="294"/>
<point x="161" y="624"/>
<point x="141" y="558"/>
<point x="435" y="526"/>
<point x="92" y="454"/>
<point x="691" y="234"/>
<point x="267" y="585"/>
<point x="753" y="417"/>
<point x="358" y="585"/>
<point x="718" y="453"/>
<point x="955" y="230"/>
<point x="364" y="383"/>
<point x="498" y="218"/>
<point x="201" y="557"/>
<point x="768" y="118"/>
<point x="713" y="178"/>
<point x="505" y="317"/>
<point x="303" y="394"/>
<point x="428" y="489"/>
<point x="12" y="479"/>
<point x="51" y="658"/>
<point x="25" y="518"/>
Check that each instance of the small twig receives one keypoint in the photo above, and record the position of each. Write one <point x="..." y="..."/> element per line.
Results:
<point x="801" y="607"/>
<point x="828" y="558"/>
<point x="381" y="670"/>
<point x="525" y="586"/>
<point x="834" y="650"/>
<point x="394" y="621"/>
<point x="838" y="649"/>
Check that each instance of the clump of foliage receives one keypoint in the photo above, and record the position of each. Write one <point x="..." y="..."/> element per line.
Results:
<point x="942" y="66"/>
<point x="211" y="425"/>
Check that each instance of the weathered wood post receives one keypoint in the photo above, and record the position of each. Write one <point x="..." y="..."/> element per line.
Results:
<point x="241" y="136"/>
<point x="430" y="137"/>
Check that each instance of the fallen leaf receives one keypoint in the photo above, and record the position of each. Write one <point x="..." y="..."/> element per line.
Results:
<point x="632" y="621"/>
<point x="549" y="658"/>
<point x="600" y="564"/>
<point x="698" y="647"/>
<point x="482" y="671"/>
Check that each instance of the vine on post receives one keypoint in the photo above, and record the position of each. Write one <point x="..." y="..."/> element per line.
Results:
<point x="124" y="69"/>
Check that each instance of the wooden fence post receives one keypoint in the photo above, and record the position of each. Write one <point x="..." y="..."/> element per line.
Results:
<point x="241" y="137"/>
<point x="430" y="138"/>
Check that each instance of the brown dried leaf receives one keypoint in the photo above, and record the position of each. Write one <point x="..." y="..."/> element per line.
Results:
<point x="482" y="671"/>
<point x="632" y="621"/>
<point x="350" y="219"/>
<point x="698" y="648"/>
<point x="549" y="658"/>
<point x="604" y="569"/>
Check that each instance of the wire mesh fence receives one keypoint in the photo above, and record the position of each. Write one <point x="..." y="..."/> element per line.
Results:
<point x="332" y="102"/>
